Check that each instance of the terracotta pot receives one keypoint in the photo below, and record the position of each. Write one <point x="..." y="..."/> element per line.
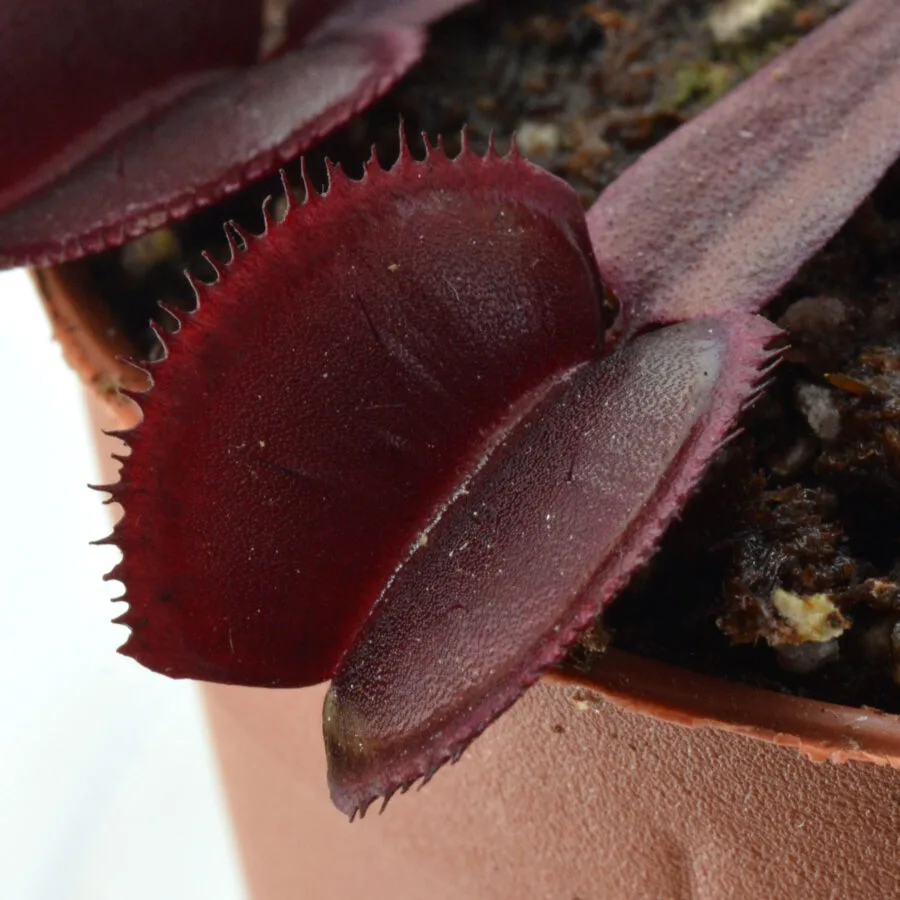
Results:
<point x="572" y="794"/>
<point x="636" y="780"/>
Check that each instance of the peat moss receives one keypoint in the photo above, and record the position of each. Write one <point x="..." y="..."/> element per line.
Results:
<point x="807" y="501"/>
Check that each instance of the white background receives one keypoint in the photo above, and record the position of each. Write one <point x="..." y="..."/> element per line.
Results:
<point x="107" y="784"/>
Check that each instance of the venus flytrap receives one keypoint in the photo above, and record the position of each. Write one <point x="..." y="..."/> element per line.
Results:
<point x="399" y="444"/>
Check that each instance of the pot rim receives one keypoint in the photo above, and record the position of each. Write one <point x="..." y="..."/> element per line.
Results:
<point x="820" y="730"/>
<point x="91" y="342"/>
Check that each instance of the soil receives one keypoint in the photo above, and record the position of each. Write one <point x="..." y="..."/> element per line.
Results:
<point x="784" y="569"/>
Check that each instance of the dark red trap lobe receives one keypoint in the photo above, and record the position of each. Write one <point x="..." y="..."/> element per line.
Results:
<point x="205" y="147"/>
<point x="74" y="74"/>
<point x="546" y="533"/>
<point x="334" y="392"/>
<point x="132" y="115"/>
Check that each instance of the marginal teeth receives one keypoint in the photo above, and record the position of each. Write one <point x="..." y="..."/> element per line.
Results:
<point x="385" y="800"/>
<point x="239" y="239"/>
<point x="124" y="619"/>
<point x="217" y="267"/>
<point x="110" y="489"/>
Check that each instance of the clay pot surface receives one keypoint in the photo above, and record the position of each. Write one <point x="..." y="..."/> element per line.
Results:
<point x="568" y="795"/>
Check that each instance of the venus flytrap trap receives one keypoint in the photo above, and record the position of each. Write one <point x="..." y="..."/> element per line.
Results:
<point x="400" y="444"/>
<point x="110" y="95"/>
